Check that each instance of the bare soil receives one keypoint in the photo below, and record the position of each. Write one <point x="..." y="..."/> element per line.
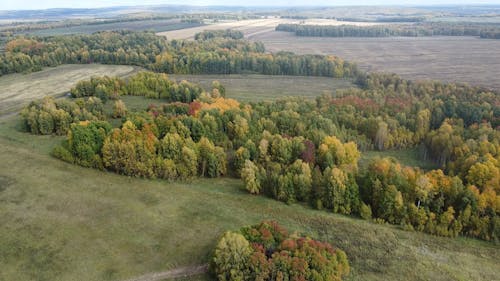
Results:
<point x="174" y="273"/>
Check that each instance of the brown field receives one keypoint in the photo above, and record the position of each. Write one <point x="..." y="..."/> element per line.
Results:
<point x="452" y="59"/>
<point x="251" y="28"/>
<point x="19" y="89"/>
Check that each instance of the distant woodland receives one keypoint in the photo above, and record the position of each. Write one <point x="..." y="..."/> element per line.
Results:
<point x="484" y="31"/>
<point x="223" y="54"/>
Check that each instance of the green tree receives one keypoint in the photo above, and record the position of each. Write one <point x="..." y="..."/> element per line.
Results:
<point x="231" y="257"/>
<point x="251" y="177"/>
<point x="119" y="109"/>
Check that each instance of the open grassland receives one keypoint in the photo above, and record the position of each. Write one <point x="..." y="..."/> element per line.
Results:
<point x="16" y="90"/>
<point x="451" y="59"/>
<point x="252" y="28"/>
<point x="140" y="25"/>
<point x="264" y="87"/>
<point x="63" y="222"/>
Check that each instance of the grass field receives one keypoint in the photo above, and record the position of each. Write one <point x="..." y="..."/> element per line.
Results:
<point x="19" y="89"/>
<point x="262" y="87"/>
<point x="251" y="28"/>
<point x="152" y="25"/>
<point x="452" y="59"/>
<point x="407" y="157"/>
<point x="63" y="222"/>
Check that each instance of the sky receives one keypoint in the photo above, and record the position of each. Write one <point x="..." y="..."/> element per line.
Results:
<point x="47" y="4"/>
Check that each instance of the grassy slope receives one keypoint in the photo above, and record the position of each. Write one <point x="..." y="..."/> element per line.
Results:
<point x="64" y="222"/>
<point x="18" y="89"/>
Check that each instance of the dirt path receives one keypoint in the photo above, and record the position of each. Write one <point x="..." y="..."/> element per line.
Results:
<point x="174" y="273"/>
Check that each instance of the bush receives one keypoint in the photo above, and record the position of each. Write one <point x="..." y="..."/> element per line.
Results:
<point x="62" y="153"/>
<point x="365" y="212"/>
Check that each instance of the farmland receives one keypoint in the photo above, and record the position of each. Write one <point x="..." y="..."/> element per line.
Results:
<point x="250" y="28"/>
<point x="457" y="59"/>
<point x="19" y="89"/>
<point x="451" y="59"/>
<point x="152" y="25"/>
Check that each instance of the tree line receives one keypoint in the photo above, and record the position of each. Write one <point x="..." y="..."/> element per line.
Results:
<point x="210" y="34"/>
<point x="214" y="53"/>
<point x="148" y="84"/>
<point x="406" y="30"/>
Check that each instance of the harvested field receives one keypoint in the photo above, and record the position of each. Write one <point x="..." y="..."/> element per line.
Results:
<point x="251" y="28"/>
<point x="20" y="89"/>
<point x="452" y="59"/>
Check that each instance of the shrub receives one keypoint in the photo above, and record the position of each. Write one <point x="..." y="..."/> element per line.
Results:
<point x="365" y="212"/>
<point x="62" y="153"/>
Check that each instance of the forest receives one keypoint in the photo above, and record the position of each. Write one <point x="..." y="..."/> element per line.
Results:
<point x="483" y="31"/>
<point x="210" y="54"/>
<point x="295" y="150"/>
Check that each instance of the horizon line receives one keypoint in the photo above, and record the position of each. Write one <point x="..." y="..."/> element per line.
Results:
<point x="265" y="6"/>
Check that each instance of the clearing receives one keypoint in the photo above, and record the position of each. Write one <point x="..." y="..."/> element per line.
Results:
<point x="264" y="87"/>
<point x="408" y="157"/>
<point x="19" y="89"/>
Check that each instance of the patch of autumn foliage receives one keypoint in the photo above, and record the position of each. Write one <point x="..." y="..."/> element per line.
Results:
<point x="221" y="104"/>
<point x="23" y="45"/>
<point x="267" y="252"/>
<point x="364" y="104"/>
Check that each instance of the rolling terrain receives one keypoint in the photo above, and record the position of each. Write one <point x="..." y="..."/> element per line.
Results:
<point x="61" y="221"/>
